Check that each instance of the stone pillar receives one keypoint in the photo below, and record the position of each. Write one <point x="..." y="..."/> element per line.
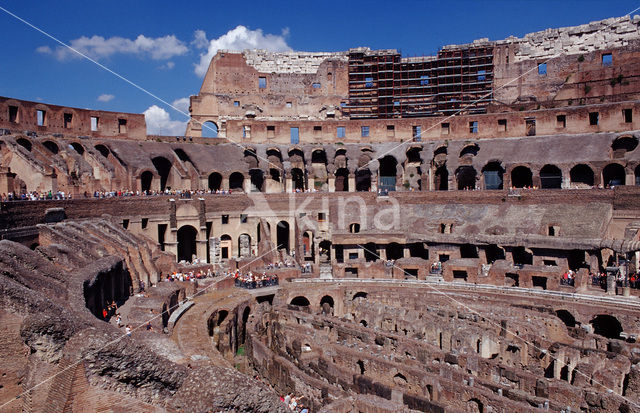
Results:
<point x="288" y="185"/>
<point x="332" y="183"/>
<point x="201" y="250"/>
<point x="214" y="250"/>
<point x="247" y="184"/>
<point x="351" y="182"/>
<point x="225" y="183"/>
<point x="374" y="183"/>
<point x="311" y="183"/>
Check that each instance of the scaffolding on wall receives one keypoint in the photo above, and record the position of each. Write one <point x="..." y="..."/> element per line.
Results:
<point x="382" y="84"/>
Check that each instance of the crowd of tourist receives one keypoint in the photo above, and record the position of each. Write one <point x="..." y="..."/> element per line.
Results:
<point x="187" y="276"/>
<point x="287" y="263"/>
<point x="34" y="196"/>
<point x="250" y="280"/>
<point x="60" y="195"/>
<point x="436" y="268"/>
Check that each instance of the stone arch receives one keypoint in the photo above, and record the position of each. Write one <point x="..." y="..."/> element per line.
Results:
<point x="360" y="294"/>
<point x="440" y="150"/>
<point x="550" y="177"/>
<point x="209" y="129"/>
<point x="400" y="379"/>
<point x="624" y="144"/>
<point x="441" y="179"/>
<point x="187" y="243"/>
<point x="388" y="169"/>
<point x="146" y="180"/>
<point x="319" y="156"/>
<point x="471" y="150"/>
<point x="567" y="318"/>
<point x="354" y="228"/>
<point x="282" y="235"/>
<point x="251" y="158"/>
<point x="581" y="175"/>
<point x="51" y="147"/>
<point x="225" y="246"/>
<point x="319" y="167"/>
<point x="163" y="166"/>
<point x="307" y="244"/>
<point x="296" y="157"/>
<point x="236" y="181"/>
<point x="613" y="175"/>
<point x="413" y="155"/>
<point x="521" y="177"/>
<point x="214" y="181"/>
<point x="474" y="406"/>
<point x="25" y="143"/>
<point x="327" y="305"/>
<point x="300" y="301"/>
<point x="493" y="174"/>
<point x="606" y="325"/>
<point x="77" y="147"/>
<point x="104" y="151"/>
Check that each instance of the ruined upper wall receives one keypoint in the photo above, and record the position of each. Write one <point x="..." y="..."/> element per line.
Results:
<point x="288" y="62"/>
<point x="599" y="35"/>
<point x="40" y="118"/>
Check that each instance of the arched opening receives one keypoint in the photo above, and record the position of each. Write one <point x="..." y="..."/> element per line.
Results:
<point x="493" y="174"/>
<point x="298" y="178"/>
<point x="187" y="243"/>
<point x="25" y="143"/>
<point x="360" y="294"/>
<point x="441" y="179"/>
<point x="413" y="155"/>
<point x="354" y="228"/>
<point x="51" y="147"/>
<point x="363" y="323"/>
<point x="77" y="147"/>
<point x="215" y="181"/>
<point x="251" y="158"/>
<point x="104" y="151"/>
<point x="624" y="144"/>
<point x="319" y="156"/>
<point x="342" y="180"/>
<point x="567" y="318"/>
<point x="394" y="251"/>
<point x="209" y="130"/>
<point x="400" y="379"/>
<point x="606" y="326"/>
<point x="225" y="246"/>
<point x="257" y="180"/>
<point x="363" y="180"/>
<point x="360" y="364"/>
<point x="326" y="305"/>
<point x="282" y="235"/>
<point x="370" y="252"/>
<point x="33" y="246"/>
<point x="300" y="301"/>
<point x="471" y="150"/>
<point x="388" y="171"/>
<point x="417" y="250"/>
<point x="163" y="166"/>
<point x="521" y="177"/>
<point x="274" y="174"/>
<point x="236" y="181"/>
<point x="245" y="318"/>
<point x="474" y="406"/>
<point x="581" y="176"/>
<point x="466" y="177"/>
<point x="613" y="175"/>
<point x="550" y="177"/>
<point x="146" y="178"/>
<point x="244" y="245"/>
<point x="521" y="256"/>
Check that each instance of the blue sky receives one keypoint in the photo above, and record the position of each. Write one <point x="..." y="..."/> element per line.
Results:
<point x="159" y="44"/>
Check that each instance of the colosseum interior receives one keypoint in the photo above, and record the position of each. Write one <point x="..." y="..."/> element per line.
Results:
<point x="449" y="233"/>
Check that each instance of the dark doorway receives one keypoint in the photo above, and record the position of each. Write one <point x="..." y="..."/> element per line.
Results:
<point x="282" y="235"/>
<point x="145" y="181"/>
<point x="613" y="175"/>
<point x="466" y="177"/>
<point x="521" y="177"/>
<point x="550" y="177"/>
<point x="187" y="243"/>
<point x="493" y="176"/>
<point x="581" y="175"/>
<point x="342" y="180"/>
<point x="215" y="181"/>
<point x="163" y="166"/>
<point x="236" y="181"/>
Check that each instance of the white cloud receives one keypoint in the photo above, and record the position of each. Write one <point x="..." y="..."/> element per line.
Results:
<point x="105" y="97"/>
<point x="159" y="122"/>
<point x="98" y="47"/>
<point x="238" y="39"/>
<point x="182" y="104"/>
